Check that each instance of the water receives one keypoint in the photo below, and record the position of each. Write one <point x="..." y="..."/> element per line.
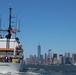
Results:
<point x="46" y="70"/>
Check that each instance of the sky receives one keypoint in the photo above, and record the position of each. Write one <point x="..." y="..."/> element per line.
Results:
<point x="49" y="23"/>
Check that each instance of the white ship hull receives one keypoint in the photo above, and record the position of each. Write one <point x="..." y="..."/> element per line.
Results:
<point x="10" y="67"/>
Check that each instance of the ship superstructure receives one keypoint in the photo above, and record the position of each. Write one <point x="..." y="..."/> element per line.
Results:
<point x="11" y="52"/>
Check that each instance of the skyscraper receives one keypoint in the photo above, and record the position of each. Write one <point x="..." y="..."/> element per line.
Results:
<point x="39" y="51"/>
<point x="50" y="54"/>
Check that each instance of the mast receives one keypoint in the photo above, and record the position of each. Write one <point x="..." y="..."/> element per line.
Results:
<point x="10" y="16"/>
<point x="9" y="28"/>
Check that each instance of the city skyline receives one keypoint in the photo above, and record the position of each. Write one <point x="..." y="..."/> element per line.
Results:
<point x="50" y="23"/>
<point x="50" y="52"/>
<point x="51" y="58"/>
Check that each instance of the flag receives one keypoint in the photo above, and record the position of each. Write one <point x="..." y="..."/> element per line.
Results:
<point x="14" y="31"/>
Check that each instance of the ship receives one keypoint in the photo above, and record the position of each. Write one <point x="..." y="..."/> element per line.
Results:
<point x="11" y="50"/>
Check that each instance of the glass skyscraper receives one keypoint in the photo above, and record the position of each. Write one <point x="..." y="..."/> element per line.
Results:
<point x="39" y="51"/>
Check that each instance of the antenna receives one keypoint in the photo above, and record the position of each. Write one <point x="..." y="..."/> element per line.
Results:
<point x="0" y="22"/>
<point x="19" y="24"/>
<point x="16" y="21"/>
<point x="10" y="16"/>
<point x="0" y="27"/>
<point x="16" y="25"/>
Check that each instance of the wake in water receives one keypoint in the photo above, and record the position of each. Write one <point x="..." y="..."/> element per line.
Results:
<point x="21" y="73"/>
<point x="48" y="70"/>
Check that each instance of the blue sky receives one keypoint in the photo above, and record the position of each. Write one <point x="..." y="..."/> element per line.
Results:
<point x="50" y="23"/>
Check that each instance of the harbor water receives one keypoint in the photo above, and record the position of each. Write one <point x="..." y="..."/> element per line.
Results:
<point x="46" y="70"/>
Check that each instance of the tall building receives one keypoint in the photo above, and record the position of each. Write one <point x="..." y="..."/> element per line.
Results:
<point x="54" y="58"/>
<point x="60" y="59"/>
<point x="50" y="55"/>
<point x="73" y="58"/>
<point x="39" y="51"/>
<point x="46" y="58"/>
<point x="67" y="58"/>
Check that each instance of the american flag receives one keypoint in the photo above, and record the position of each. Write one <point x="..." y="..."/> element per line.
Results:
<point x="14" y="31"/>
